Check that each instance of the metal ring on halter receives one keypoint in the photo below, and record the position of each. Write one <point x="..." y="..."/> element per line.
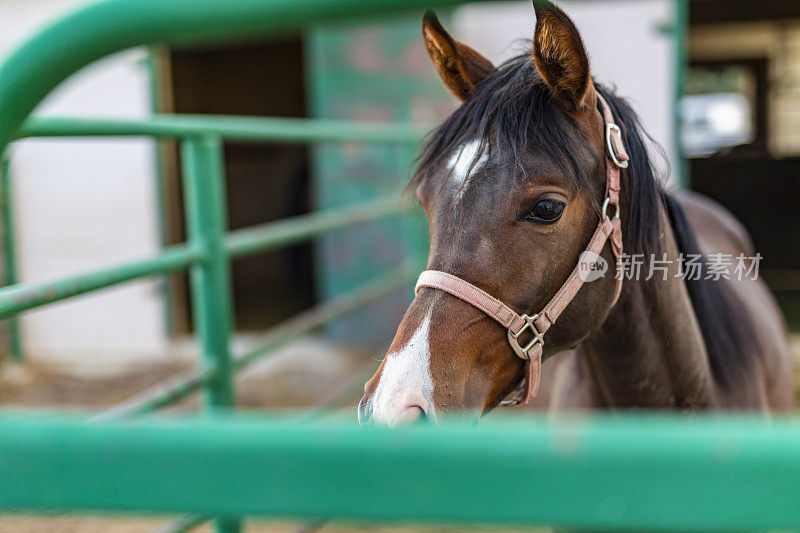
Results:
<point x="606" y="203"/>
<point x="516" y="398"/>
<point x="611" y="130"/>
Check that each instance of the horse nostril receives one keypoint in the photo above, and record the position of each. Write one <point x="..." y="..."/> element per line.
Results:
<point x="412" y="413"/>
<point x="364" y="410"/>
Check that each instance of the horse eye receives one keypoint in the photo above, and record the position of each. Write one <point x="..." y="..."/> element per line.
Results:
<point x="546" y="211"/>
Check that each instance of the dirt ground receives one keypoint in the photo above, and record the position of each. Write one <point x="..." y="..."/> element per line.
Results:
<point x="305" y="375"/>
<point x="144" y="525"/>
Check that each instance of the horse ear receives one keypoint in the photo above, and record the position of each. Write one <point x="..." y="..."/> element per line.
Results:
<point x="461" y="68"/>
<point x="560" y="56"/>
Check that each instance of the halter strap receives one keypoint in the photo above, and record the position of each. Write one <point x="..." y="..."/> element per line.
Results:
<point x="535" y="326"/>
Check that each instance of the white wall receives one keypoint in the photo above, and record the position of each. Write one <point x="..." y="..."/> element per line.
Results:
<point x="625" y="47"/>
<point x="85" y="204"/>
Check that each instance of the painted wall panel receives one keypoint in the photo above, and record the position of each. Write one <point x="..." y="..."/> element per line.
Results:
<point x="377" y="71"/>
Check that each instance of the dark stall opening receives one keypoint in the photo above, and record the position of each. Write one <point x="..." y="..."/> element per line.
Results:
<point x="265" y="181"/>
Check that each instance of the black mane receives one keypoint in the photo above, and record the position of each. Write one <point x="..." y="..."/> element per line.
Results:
<point x="513" y="110"/>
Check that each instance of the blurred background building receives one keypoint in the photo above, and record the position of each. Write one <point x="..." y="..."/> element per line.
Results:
<point x="83" y="204"/>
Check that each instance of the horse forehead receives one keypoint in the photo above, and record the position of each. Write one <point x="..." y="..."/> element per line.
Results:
<point x="465" y="208"/>
<point x="465" y="160"/>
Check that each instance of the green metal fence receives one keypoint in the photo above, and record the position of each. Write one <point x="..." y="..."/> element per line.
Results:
<point x="655" y="473"/>
<point x="43" y="62"/>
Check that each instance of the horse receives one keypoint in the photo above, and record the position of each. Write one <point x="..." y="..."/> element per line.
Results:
<point x="514" y="184"/>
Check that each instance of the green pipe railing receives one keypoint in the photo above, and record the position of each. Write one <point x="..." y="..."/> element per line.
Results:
<point x="232" y="128"/>
<point x="185" y="523"/>
<point x="118" y="24"/>
<point x="610" y="473"/>
<point x="101" y="29"/>
<point x="239" y="243"/>
<point x="23" y="296"/>
<point x="210" y="249"/>
<point x="352" y="387"/>
<point x="273" y="235"/>
<point x="9" y="251"/>
<point x="680" y="41"/>
<point x="305" y="322"/>
<point x="206" y="223"/>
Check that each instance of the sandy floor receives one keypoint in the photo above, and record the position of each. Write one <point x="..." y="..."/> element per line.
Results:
<point x="23" y="524"/>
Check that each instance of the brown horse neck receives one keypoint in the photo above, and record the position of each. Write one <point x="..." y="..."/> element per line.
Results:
<point x="650" y="351"/>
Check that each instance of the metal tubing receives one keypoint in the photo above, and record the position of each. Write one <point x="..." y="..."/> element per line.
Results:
<point x="185" y="523"/>
<point x="9" y="251"/>
<point x="206" y="223"/>
<point x="619" y="472"/>
<point x="247" y="129"/>
<point x="24" y="296"/>
<point x="162" y="395"/>
<point x="680" y="29"/>
<point x="34" y="70"/>
<point x="317" y="316"/>
<point x="273" y="235"/>
<point x="181" y="387"/>
<point x="239" y="243"/>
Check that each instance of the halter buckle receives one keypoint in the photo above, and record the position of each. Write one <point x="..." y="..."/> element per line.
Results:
<point x="614" y="139"/>
<point x="538" y="338"/>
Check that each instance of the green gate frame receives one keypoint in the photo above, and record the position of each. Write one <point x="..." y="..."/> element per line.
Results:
<point x="658" y="473"/>
<point x="42" y="63"/>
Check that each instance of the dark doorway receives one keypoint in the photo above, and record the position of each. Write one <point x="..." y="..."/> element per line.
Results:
<point x="265" y="182"/>
<point x="709" y="11"/>
<point x="758" y="183"/>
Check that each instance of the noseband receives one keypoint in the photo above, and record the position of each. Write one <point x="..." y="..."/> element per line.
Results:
<point x="608" y="229"/>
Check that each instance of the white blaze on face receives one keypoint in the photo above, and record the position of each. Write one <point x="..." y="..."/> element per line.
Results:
<point x="406" y="380"/>
<point x="460" y="164"/>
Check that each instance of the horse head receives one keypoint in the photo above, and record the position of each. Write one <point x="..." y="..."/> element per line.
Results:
<point x="512" y="184"/>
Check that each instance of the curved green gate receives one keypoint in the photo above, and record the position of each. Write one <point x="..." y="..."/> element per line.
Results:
<point x="625" y="473"/>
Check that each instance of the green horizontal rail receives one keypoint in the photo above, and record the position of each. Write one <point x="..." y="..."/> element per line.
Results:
<point x="628" y="472"/>
<point x="247" y="241"/>
<point x="47" y="59"/>
<point x="354" y="385"/>
<point x="160" y="396"/>
<point x="273" y="235"/>
<point x="252" y="129"/>
<point x="183" y="386"/>
<point x="23" y="296"/>
<point x="320" y="315"/>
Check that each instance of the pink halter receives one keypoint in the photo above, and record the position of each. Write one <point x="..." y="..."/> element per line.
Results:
<point x="538" y="324"/>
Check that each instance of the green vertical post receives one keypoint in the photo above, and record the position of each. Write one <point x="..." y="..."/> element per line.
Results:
<point x="9" y="250"/>
<point x="680" y="29"/>
<point x="206" y="223"/>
